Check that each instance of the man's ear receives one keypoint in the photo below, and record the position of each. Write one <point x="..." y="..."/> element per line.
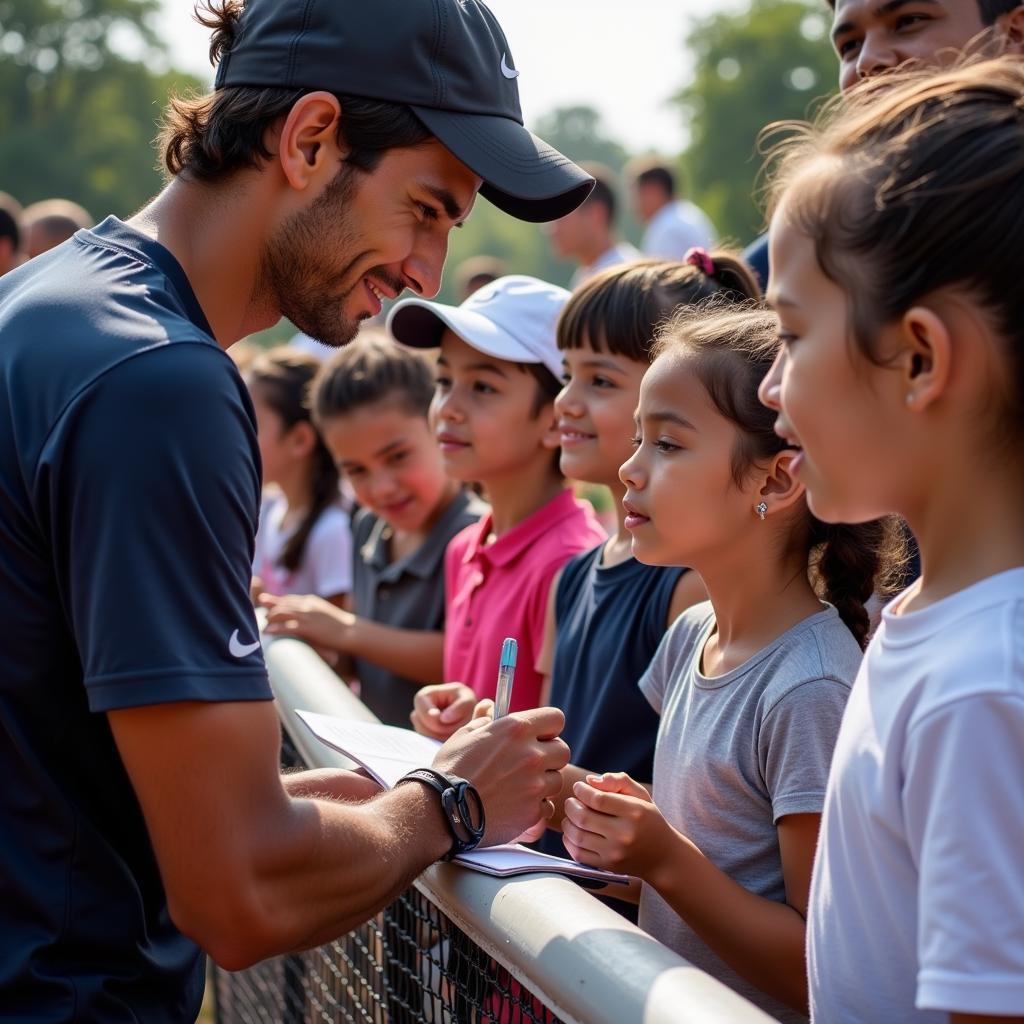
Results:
<point x="1010" y="27"/>
<point x="925" y="356"/>
<point x="308" y="145"/>
<point x="780" y="489"/>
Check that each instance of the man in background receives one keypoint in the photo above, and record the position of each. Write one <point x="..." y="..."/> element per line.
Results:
<point x="49" y="222"/>
<point x="673" y="224"/>
<point x="872" y="38"/>
<point x="588" y="235"/>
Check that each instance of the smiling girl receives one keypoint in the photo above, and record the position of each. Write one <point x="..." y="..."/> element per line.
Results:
<point x="371" y="401"/>
<point x="750" y="686"/>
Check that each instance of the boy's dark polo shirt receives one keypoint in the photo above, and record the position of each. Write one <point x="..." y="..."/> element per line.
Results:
<point x="408" y="593"/>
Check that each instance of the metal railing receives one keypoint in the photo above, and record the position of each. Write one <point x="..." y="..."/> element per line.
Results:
<point x="461" y="946"/>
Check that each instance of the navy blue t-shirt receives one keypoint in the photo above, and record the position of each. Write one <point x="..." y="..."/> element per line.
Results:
<point x="610" y="620"/>
<point x="129" y="496"/>
<point x="756" y="255"/>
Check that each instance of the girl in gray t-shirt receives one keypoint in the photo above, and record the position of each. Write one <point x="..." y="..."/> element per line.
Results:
<point x="751" y="685"/>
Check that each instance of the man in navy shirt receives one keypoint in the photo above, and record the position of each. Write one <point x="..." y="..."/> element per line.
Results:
<point x="142" y="811"/>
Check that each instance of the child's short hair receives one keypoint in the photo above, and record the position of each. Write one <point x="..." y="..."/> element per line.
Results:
<point x="619" y="310"/>
<point x="731" y="347"/>
<point x="370" y="369"/>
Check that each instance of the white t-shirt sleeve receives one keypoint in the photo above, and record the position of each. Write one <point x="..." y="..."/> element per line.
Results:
<point x="963" y="800"/>
<point x="328" y="554"/>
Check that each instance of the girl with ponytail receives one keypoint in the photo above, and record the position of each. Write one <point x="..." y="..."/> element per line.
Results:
<point x="750" y="685"/>
<point x="304" y="540"/>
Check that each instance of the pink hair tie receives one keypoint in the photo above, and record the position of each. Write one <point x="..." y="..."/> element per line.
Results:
<point x="698" y="257"/>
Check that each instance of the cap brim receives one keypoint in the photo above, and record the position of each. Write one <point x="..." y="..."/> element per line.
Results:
<point x="419" y="323"/>
<point x="523" y="175"/>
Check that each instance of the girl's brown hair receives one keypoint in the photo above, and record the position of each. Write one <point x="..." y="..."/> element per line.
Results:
<point x="281" y="378"/>
<point x="917" y="185"/>
<point x="731" y="348"/>
<point x="618" y="311"/>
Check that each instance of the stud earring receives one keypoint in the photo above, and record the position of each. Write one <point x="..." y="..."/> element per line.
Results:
<point x="910" y="398"/>
<point x="761" y="508"/>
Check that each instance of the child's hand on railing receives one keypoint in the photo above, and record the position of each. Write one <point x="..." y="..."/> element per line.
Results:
<point x="308" y="617"/>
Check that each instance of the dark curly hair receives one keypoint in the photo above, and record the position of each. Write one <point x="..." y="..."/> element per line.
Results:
<point x="212" y="136"/>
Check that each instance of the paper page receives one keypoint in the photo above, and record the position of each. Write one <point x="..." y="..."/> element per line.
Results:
<point x="513" y="859"/>
<point x="385" y="751"/>
<point x="388" y="753"/>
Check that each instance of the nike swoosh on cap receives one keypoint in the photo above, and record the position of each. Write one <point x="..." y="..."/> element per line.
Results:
<point x="505" y="69"/>
<point x="239" y="650"/>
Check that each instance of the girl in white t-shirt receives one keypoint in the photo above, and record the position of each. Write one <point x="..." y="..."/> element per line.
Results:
<point x="304" y="541"/>
<point x="897" y="262"/>
<point x="751" y="685"/>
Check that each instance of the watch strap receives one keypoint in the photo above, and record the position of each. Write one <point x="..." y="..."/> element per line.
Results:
<point x="461" y="806"/>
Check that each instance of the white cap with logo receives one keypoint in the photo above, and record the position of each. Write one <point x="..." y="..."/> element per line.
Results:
<point x="512" y="318"/>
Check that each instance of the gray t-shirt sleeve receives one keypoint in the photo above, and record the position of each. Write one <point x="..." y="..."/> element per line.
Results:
<point x="795" y="744"/>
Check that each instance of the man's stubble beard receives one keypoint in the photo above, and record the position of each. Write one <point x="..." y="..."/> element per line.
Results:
<point x="293" y="279"/>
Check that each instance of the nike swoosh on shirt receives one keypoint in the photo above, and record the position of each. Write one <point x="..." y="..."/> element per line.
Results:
<point x="505" y="69"/>
<point x="239" y="650"/>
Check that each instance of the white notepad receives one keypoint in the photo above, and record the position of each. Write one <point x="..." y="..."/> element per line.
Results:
<point x="387" y="753"/>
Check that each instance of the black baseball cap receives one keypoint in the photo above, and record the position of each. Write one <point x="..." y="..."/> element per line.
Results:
<point x="448" y="60"/>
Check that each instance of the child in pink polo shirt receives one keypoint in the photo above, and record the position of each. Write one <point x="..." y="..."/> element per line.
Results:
<point x="493" y="413"/>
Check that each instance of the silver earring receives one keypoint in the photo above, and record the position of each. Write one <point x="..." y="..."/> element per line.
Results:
<point x="761" y="508"/>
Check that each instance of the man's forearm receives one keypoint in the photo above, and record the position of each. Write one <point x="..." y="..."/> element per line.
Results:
<point x="330" y="784"/>
<point x="332" y="866"/>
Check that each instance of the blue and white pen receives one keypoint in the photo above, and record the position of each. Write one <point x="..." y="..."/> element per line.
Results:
<point x="506" y="673"/>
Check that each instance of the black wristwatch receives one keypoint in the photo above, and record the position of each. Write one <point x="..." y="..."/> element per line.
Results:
<point x="463" y="809"/>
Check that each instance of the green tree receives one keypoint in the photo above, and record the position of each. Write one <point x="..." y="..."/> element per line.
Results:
<point x="82" y="87"/>
<point x="768" y="63"/>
